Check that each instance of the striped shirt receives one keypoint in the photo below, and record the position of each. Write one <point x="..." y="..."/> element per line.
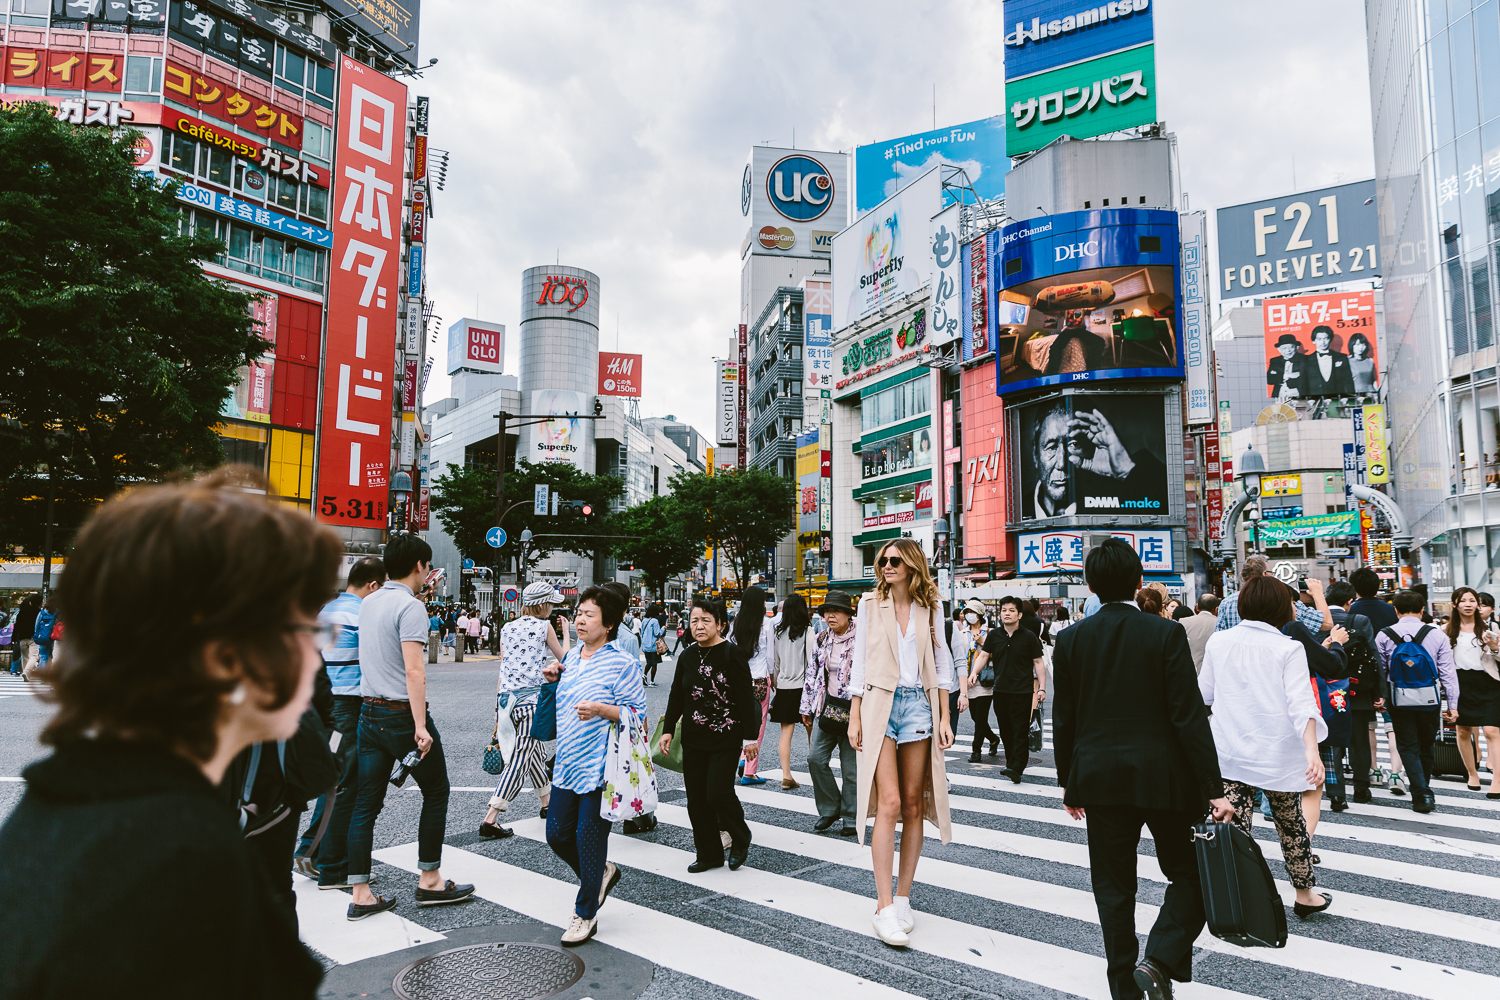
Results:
<point x="342" y="658"/>
<point x="611" y="676"/>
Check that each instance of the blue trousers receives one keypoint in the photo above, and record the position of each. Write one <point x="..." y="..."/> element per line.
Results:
<point x="346" y="708"/>
<point x="578" y="835"/>
<point x="385" y="736"/>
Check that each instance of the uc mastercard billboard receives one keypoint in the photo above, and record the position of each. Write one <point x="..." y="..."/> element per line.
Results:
<point x="1085" y="297"/>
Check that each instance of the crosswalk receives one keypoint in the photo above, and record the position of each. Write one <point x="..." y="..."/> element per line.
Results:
<point x="1004" y="910"/>
<point x="12" y="686"/>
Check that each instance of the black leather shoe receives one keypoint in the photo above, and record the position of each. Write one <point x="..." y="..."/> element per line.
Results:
<point x="449" y="893"/>
<point x="824" y="822"/>
<point x="974" y="757"/>
<point x="493" y="831"/>
<point x="1014" y="776"/>
<point x="994" y="749"/>
<point x="1153" y="979"/>
<point x="1423" y="802"/>
<point x="358" y="911"/>
<point x="1362" y="794"/>
<point x="1303" y="912"/>
<point x="738" y="857"/>
<point x="698" y="867"/>
<point x="850" y="831"/>
<point x="1340" y="805"/>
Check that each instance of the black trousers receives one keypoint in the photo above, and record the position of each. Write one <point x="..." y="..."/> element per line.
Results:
<point x="1415" y="729"/>
<point x="1013" y="713"/>
<point x="708" y="776"/>
<point x="273" y="848"/>
<point x="1359" y="746"/>
<point x="1114" y="833"/>
<point x="979" y="711"/>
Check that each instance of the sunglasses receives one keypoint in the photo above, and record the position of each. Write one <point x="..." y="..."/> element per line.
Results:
<point x="891" y="561"/>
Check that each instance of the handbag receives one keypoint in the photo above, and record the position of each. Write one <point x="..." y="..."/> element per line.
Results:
<point x="661" y="647"/>
<point x="671" y="760"/>
<point x="629" y="777"/>
<point x="833" y="717"/>
<point x="544" y="722"/>
<point x="1034" y="735"/>
<point x="494" y="760"/>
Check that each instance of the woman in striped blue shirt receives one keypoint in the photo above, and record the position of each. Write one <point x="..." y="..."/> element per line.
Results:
<point x="599" y="681"/>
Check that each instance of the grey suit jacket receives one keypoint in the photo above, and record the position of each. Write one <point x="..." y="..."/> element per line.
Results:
<point x="1199" y="628"/>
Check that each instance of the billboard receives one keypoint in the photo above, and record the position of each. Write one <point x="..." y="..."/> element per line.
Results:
<point x="1085" y="296"/>
<point x="886" y="253"/>
<point x="250" y="399"/>
<point x="1103" y="95"/>
<point x="974" y="294"/>
<point x="883" y="168"/>
<point x="1377" y="462"/>
<point x="1320" y="345"/>
<point x="364" y="273"/>
<point x="1197" y="344"/>
<point x="793" y="200"/>
<point x="1297" y="529"/>
<point x="1307" y="240"/>
<point x="564" y="438"/>
<point x="1097" y="454"/>
<point x="817" y="351"/>
<point x="392" y="23"/>
<point x="947" y="275"/>
<point x="727" y="406"/>
<point x="1062" y="551"/>
<point x="1052" y="33"/>
<point x="619" y="374"/>
<point x="473" y="344"/>
<point x="808" y="455"/>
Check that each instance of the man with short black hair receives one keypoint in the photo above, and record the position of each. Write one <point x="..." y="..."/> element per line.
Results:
<point x="1366" y="584"/>
<point x="1416" y="728"/>
<point x="1200" y="626"/>
<point x="1134" y="748"/>
<point x="394" y="722"/>
<point x="1020" y="681"/>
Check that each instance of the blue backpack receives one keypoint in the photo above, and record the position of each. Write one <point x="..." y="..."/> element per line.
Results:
<point x="1413" y="675"/>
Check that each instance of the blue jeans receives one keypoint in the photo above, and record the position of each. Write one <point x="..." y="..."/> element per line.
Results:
<point x="346" y="709"/>
<point x="385" y="736"/>
<point x="578" y="835"/>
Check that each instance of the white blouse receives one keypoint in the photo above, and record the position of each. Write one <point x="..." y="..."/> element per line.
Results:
<point x="906" y="654"/>
<point x="763" y="663"/>
<point x="1256" y="681"/>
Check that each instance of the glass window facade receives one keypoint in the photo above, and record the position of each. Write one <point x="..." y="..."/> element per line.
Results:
<point x="909" y="399"/>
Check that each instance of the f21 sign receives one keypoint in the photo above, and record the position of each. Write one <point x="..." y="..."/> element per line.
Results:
<point x="1312" y="239"/>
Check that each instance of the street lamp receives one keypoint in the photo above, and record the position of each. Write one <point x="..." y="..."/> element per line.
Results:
<point x="942" y="541"/>
<point x="1253" y="516"/>
<point x="1250" y="468"/>
<point x="401" y="487"/>
<point x="521" y="566"/>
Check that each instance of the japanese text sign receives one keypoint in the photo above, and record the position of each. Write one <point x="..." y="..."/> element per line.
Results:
<point x="1321" y="345"/>
<point x="1377" y="468"/>
<point x="228" y="103"/>
<point x="1062" y="551"/>
<point x="254" y="214"/>
<point x="64" y="69"/>
<point x="619" y="374"/>
<point x="363" y="286"/>
<point x="1090" y="98"/>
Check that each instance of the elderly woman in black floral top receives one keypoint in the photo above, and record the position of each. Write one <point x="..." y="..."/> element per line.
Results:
<point x="713" y="696"/>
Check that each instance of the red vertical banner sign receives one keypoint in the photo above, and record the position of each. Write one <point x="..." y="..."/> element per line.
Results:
<point x="744" y="369"/>
<point x="364" y="287"/>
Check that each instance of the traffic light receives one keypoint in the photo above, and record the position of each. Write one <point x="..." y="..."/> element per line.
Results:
<point x="575" y="508"/>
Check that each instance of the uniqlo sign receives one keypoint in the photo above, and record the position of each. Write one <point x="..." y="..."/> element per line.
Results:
<point x="619" y="374"/>
<point x="363" y="290"/>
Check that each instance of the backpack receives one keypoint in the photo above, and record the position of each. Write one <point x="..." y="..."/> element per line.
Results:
<point x="1413" y="675"/>
<point x="1364" y="661"/>
<point x="43" y="630"/>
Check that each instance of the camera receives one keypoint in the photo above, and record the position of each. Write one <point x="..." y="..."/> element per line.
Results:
<point x="404" y="767"/>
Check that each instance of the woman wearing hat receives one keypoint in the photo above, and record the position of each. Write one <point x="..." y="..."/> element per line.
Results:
<point x="825" y="700"/>
<point x="899" y="703"/>
<point x="967" y="643"/>
<point x="524" y="647"/>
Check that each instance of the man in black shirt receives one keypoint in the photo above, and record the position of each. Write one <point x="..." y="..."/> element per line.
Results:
<point x="1020" y="682"/>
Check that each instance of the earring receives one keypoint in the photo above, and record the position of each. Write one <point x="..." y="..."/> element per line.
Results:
<point x="237" y="696"/>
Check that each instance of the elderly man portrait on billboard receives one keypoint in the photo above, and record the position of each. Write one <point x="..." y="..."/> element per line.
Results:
<point x="1080" y="454"/>
<point x="1285" y="374"/>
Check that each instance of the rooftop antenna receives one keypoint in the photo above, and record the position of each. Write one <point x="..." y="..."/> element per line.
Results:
<point x="934" y="105"/>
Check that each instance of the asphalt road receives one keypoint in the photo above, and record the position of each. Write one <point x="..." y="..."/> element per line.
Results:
<point x="1003" y="911"/>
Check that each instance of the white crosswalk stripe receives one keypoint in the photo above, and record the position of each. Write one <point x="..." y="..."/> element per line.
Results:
<point x="1414" y="911"/>
<point x="13" y="686"/>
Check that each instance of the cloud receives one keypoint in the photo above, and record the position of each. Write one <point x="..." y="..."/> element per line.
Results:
<point x="613" y="136"/>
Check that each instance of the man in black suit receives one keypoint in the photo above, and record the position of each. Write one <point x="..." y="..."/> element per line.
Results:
<point x="1327" y="372"/>
<point x="1285" y="374"/>
<point x="1133" y="747"/>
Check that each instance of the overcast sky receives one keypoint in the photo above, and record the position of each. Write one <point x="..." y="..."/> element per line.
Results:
<point x="615" y="135"/>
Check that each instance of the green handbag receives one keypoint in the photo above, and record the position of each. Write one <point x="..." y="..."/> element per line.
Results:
<point x="672" y="761"/>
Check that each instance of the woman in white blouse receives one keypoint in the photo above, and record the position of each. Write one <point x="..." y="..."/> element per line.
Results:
<point x="1267" y="725"/>
<point x="898" y="687"/>
<point x="754" y="631"/>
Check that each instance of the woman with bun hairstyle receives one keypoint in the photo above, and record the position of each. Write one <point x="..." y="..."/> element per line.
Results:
<point x="899" y="724"/>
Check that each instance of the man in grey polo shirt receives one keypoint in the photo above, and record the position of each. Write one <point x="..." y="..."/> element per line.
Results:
<point x="393" y="722"/>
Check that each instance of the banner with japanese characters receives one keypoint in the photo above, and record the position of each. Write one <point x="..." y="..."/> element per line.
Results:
<point x="229" y="103"/>
<point x="1321" y="345"/>
<point x="363" y="286"/>
<point x="1094" y="97"/>
<point x="64" y="69"/>
<point x="1062" y="551"/>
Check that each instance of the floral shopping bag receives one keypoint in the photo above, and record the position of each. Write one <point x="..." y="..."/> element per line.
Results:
<point x="629" y="777"/>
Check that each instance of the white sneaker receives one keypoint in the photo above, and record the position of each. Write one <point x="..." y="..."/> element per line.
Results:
<point x="579" y="930"/>
<point x="887" y="928"/>
<point x="903" y="913"/>
<point x="1398" y="784"/>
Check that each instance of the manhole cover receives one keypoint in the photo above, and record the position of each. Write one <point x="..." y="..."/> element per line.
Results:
<point x="505" y="971"/>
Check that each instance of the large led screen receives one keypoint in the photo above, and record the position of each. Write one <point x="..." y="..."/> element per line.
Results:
<point x="1101" y="453"/>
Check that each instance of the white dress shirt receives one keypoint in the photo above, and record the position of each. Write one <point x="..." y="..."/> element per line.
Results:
<point x="763" y="663"/>
<point x="1256" y="681"/>
<point x="906" y="654"/>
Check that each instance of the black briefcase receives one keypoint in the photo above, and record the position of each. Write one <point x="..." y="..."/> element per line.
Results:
<point x="1239" y="894"/>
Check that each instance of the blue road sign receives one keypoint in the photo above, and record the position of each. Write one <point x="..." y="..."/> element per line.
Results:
<point x="468" y="564"/>
<point x="495" y="536"/>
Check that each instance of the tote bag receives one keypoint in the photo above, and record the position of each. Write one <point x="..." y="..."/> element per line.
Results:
<point x="629" y="777"/>
<point x="672" y="759"/>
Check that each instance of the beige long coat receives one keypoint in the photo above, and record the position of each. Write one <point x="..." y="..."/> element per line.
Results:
<point x="882" y="677"/>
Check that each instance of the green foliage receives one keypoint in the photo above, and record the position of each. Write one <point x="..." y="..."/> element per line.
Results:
<point x="665" y="546"/>
<point x="116" y="350"/>
<point x="744" y="512"/>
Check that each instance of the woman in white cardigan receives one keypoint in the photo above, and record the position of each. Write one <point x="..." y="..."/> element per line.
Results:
<point x="1267" y="725"/>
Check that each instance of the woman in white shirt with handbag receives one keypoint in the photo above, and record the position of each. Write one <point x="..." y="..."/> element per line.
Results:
<point x="1267" y="725"/>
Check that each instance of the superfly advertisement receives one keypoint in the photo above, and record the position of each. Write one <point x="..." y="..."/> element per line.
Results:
<point x="363" y="290"/>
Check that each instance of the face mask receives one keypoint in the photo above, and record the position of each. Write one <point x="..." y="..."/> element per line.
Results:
<point x="972" y="618"/>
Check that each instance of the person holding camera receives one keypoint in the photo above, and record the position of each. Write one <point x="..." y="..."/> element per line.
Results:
<point x="394" y="725"/>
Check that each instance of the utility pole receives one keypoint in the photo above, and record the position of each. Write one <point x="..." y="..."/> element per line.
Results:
<point x="47" y="537"/>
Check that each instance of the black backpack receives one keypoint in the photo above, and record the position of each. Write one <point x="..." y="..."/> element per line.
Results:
<point x="1364" y="660"/>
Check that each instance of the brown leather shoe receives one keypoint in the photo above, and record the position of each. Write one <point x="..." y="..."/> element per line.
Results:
<point x="787" y="784"/>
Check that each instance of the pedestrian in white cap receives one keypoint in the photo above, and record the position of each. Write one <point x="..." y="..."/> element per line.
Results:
<point x="524" y="647"/>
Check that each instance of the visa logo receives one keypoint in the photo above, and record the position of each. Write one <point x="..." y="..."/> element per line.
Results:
<point x="822" y="240"/>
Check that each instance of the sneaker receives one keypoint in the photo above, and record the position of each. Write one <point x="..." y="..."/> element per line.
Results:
<point x="303" y="865"/>
<point x="903" y="913"/>
<point x="449" y="893"/>
<point x="611" y="879"/>
<point x="344" y="883"/>
<point x="381" y="904"/>
<point x="1397" y="784"/>
<point x="888" y="928"/>
<point x="579" y="930"/>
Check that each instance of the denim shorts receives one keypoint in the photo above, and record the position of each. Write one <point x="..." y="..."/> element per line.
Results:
<point x="911" y="716"/>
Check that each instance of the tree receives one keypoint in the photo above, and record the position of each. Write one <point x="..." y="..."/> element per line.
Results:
<point x="116" y="349"/>
<point x="664" y="547"/>
<point x="744" y="512"/>
<point x="464" y="497"/>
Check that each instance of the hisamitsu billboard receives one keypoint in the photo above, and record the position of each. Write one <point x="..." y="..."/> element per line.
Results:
<point x="1311" y="239"/>
<point x="1044" y="34"/>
